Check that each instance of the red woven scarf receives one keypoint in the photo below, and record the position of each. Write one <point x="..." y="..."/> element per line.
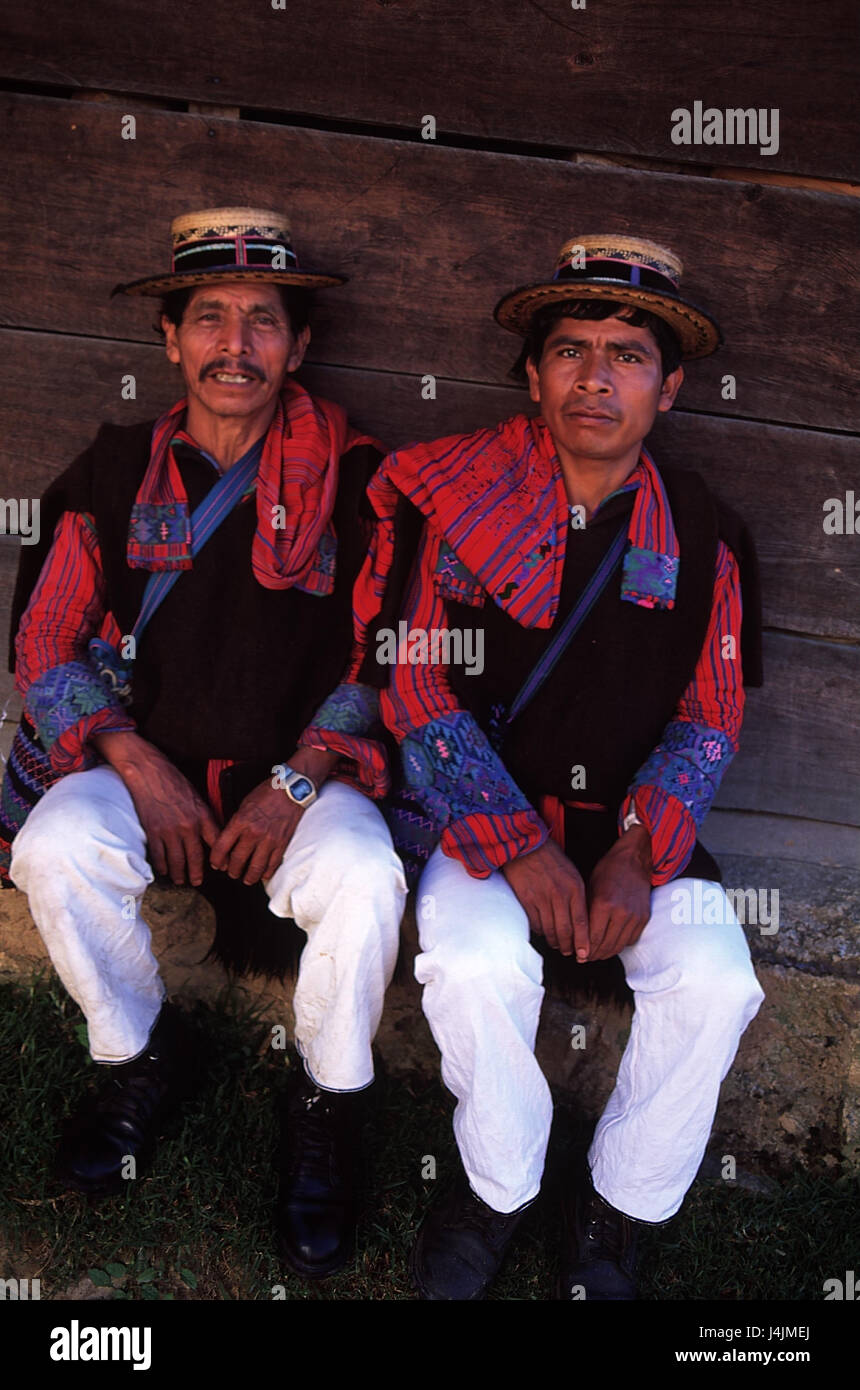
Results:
<point x="296" y="486"/>
<point x="498" y="498"/>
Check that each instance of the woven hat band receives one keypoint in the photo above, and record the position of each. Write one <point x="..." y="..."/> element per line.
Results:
<point x="618" y="273"/>
<point x="226" y="253"/>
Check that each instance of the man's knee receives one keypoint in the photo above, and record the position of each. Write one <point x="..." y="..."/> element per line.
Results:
<point x="359" y="871"/>
<point x="367" y="861"/>
<point x="69" y="832"/>
<point x="49" y="836"/>
<point x="715" y="978"/>
<point x="358" y="863"/>
<point x="474" y="965"/>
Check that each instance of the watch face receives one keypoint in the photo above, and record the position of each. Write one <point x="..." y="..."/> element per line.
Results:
<point x="301" y="789"/>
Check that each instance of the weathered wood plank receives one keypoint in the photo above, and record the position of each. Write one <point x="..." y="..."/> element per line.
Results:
<point x="430" y="237"/>
<point x="760" y="836"/>
<point x="777" y="478"/>
<point x="604" y="77"/>
<point x="800" y="753"/>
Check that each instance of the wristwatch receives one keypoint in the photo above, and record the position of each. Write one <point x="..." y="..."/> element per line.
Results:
<point x="297" y="785"/>
<point x="630" y="819"/>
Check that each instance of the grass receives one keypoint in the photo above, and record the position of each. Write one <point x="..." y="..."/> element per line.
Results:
<point x="198" y="1227"/>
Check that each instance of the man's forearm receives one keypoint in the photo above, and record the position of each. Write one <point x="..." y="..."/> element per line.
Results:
<point x="636" y="842"/>
<point x="125" y="750"/>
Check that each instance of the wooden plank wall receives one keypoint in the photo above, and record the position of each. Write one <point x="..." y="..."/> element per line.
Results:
<point x="549" y="121"/>
<point x="591" y="76"/>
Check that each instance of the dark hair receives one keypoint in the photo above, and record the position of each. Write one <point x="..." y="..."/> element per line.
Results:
<point x="296" y="302"/>
<point x="546" y="318"/>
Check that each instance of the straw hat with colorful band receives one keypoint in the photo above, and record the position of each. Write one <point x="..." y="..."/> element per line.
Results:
<point x="629" y="270"/>
<point x="230" y="244"/>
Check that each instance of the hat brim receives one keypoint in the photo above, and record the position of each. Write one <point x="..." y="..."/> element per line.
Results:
<point x="698" y="334"/>
<point x="158" y="285"/>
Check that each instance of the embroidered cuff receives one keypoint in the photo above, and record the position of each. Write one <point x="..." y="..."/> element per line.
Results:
<point x="341" y="724"/>
<point x="67" y="705"/>
<point x="677" y="783"/>
<point x="671" y="827"/>
<point x="72" y="752"/>
<point x="463" y="785"/>
<point x="366" y="765"/>
<point x="485" y="843"/>
<point x="350" y="709"/>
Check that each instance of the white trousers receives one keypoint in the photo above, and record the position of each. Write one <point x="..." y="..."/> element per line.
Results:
<point x="695" y="993"/>
<point x="81" y="859"/>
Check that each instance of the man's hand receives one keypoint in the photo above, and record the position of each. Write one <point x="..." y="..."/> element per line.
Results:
<point x="252" y="843"/>
<point x="552" y="894"/>
<point x="619" y="894"/>
<point x="177" y="822"/>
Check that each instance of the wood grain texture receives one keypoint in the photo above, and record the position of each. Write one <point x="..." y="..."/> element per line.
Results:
<point x="779" y="480"/>
<point x="431" y="238"/>
<point x="602" y="78"/>
<point x="58" y="389"/>
<point x="800" y="752"/>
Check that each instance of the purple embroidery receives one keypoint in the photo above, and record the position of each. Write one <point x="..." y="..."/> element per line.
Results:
<point x="154" y="523"/>
<point x="320" y="577"/>
<point x="648" y="578"/>
<point x="453" y="580"/>
<point x="689" y="764"/>
<point x="350" y="709"/>
<point x="453" y="772"/>
<point x="64" y="695"/>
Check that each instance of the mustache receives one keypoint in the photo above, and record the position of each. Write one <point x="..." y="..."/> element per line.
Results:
<point x="224" y="365"/>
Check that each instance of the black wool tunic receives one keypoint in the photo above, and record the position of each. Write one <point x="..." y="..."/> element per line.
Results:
<point x="618" y="682"/>
<point x="225" y="668"/>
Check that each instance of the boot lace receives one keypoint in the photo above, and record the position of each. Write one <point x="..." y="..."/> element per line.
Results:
<point x="132" y="1099"/>
<point x="608" y="1233"/>
<point x="474" y="1214"/>
<point x="312" y="1146"/>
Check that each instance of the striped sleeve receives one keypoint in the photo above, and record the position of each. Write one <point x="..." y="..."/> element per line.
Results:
<point x="348" y="718"/>
<point x="483" y="818"/>
<point x="673" y="790"/>
<point x="63" y="695"/>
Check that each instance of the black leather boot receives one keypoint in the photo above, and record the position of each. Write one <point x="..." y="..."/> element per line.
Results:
<point x="319" y="1178"/>
<point x="461" y="1245"/>
<point x="600" y="1262"/>
<point x="127" y="1115"/>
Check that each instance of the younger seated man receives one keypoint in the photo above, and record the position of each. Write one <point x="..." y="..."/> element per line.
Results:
<point x="565" y="787"/>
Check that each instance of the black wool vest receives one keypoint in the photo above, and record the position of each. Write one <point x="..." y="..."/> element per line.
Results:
<point x="605" y="705"/>
<point x="226" y="668"/>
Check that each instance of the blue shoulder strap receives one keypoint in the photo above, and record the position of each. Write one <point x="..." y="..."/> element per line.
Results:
<point x="115" y="670"/>
<point x="501" y="717"/>
<point x="216" y="505"/>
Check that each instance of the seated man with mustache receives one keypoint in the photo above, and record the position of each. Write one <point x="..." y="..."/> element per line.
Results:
<point x="180" y="631"/>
